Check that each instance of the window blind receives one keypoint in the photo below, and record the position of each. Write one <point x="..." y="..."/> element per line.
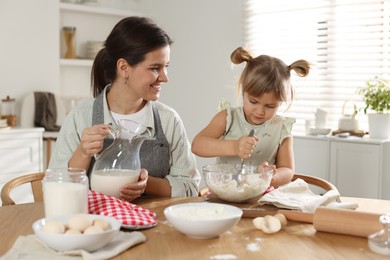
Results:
<point x="346" y="41"/>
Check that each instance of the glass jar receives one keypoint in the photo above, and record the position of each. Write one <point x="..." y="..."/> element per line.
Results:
<point x="70" y="41"/>
<point x="8" y="110"/>
<point x="65" y="191"/>
<point x="379" y="242"/>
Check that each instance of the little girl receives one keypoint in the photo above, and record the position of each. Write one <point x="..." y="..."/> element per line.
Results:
<point x="265" y="85"/>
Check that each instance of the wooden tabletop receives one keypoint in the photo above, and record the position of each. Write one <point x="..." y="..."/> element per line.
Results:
<point x="296" y="241"/>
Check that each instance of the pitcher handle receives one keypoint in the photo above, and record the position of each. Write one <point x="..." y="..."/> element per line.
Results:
<point x="114" y="135"/>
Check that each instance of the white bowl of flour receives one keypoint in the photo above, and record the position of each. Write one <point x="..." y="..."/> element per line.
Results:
<point x="203" y="220"/>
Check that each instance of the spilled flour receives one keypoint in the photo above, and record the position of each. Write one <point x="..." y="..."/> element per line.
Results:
<point x="253" y="247"/>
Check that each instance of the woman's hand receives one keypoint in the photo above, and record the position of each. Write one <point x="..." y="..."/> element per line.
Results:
<point x="92" y="139"/>
<point x="91" y="143"/>
<point x="132" y="191"/>
<point x="245" y="145"/>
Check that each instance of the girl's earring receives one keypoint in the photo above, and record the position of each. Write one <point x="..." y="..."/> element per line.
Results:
<point x="126" y="78"/>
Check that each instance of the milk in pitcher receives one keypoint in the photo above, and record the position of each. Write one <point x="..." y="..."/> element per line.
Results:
<point x="110" y="182"/>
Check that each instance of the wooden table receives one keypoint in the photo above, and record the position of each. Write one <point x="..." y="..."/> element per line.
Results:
<point x="295" y="241"/>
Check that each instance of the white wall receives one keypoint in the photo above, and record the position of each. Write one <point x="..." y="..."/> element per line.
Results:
<point x="205" y="33"/>
<point x="200" y="72"/>
<point x="28" y="48"/>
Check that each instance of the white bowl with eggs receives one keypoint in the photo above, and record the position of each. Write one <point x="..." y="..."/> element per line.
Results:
<point x="203" y="220"/>
<point x="80" y="231"/>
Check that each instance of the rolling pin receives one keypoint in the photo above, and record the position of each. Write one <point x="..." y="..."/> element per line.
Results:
<point x="289" y="214"/>
<point x="331" y="220"/>
<point x="347" y="222"/>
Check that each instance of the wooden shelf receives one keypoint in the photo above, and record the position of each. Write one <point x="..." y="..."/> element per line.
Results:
<point x="76" y="62"/>
<point x="93" y="22"/>
<point x="96" y="10"/>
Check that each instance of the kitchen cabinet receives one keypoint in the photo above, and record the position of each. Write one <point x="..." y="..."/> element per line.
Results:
<point x="21" y="153"/>
<point x="92" y="23"/>
<point x="311" y="158"/>
<point x="356" y="166"/>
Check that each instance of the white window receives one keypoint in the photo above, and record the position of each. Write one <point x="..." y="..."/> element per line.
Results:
<point x="346" y="41"/>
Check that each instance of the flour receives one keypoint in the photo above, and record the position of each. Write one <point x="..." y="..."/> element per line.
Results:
<point x="253" y="247"/>
<point x="229" y="190"/>
<point x="202" y="213"/>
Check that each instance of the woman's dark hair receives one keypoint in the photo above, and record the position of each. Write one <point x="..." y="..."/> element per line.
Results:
<point x="131" y="39"/>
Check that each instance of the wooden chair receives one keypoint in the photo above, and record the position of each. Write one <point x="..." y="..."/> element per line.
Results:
<point x="315" y="181"/>
<point x="35" y="179"/>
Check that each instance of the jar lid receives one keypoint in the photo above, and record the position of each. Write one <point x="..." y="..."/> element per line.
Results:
<point x="8" y="99"/>
<point x="69" y="28"/>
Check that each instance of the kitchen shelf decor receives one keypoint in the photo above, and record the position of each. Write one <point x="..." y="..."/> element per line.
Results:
<point x="93" y="23"/>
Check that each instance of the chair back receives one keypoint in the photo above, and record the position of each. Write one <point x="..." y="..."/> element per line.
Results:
<point x="35" y="179"/>
<point x="315" y="181"/>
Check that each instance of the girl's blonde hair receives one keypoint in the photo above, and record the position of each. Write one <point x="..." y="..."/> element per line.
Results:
<point x="264" y="74"/>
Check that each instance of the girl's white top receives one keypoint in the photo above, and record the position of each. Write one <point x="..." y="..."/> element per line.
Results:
<point x="271" y="134"/>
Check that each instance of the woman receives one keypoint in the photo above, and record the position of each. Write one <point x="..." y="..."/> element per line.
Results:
<point x="126" y="82"/>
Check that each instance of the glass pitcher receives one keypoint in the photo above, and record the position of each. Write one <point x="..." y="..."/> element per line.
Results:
<point x="119" y="164"/>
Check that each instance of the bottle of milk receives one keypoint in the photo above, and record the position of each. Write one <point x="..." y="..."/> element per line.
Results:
<point x="65" y="191"/>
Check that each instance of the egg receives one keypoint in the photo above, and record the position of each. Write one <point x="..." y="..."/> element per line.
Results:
<point x="54" y="227"/>
<point x="257" y="222"/>
<point x="72" y="231"/>
<point x="282" y="218"/>
<point x="101" y="223"/>
<point x="93" y="230"/>
<point x="79" y="222"/>
<point x="270" y="224"/>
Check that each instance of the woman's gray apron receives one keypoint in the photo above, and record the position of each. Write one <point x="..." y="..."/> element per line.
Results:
<point x="154" y="154"/>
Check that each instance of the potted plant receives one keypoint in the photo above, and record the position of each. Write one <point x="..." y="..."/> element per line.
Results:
<point x="376" y="95"/>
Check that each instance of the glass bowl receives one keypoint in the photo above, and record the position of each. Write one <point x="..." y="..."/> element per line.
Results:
<point x="228" y="183"/>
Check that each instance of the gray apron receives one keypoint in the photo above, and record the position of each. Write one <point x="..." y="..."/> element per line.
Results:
<point x="154" y="154"/>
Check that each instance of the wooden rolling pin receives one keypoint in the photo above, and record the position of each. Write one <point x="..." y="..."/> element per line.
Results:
<point x="332" y="220"/>
<point x="348" y="222"/>
<point x="289" y="214"/>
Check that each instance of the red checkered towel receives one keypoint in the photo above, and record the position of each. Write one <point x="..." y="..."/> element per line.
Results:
<point x="129" y="214"/>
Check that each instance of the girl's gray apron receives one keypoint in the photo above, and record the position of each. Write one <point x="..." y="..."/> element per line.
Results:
<point x="154" y="154"/>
